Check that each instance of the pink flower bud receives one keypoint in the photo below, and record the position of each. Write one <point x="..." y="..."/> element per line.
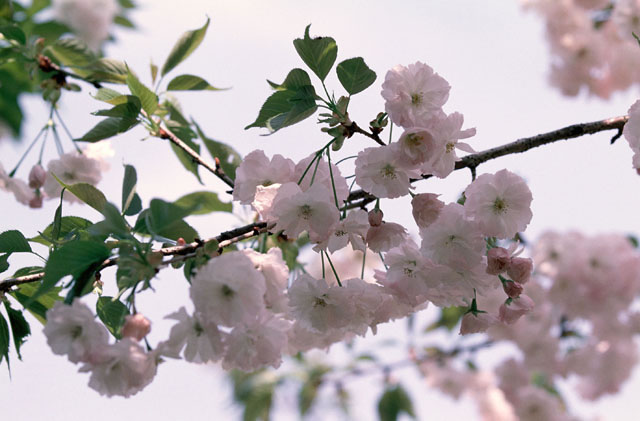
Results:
<point x="510" y="314"/>
<point x="36" y="202"/>
<point x="37" y="176"/>
<point x="136" y="326"/>
<point x="513" y="289"/>
<point x="520" y="269"/>
<point x="476" y="323"/>
<point x="426" y="208"/>
<point x="375" y="217"/>
<point x="498" y="260"/>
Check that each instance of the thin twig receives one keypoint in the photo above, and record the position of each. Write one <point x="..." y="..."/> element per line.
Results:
<point x="224" y="239"/>
<point x="165" y="133"/>
<point x="354" y="128"/>
<point x="360" y="198"/>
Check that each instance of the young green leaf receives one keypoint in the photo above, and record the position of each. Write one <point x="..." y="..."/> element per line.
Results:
<point x="13" y="242"/>
<point x="77" y="258"/>
<point x="72" y="52"/>
<point x="107" y="70"/>
<point x="13" y="32"/>
<point x="19" y="327"/>
<point x="130" y="206"/>
<point x="394" y="401"/>
<point x="109" y="95"/>
<point x="203" y="202"/>
<point x="189" y="41"/>
<point x="112" y="313"/>
<point x="4" y="262"/>
<point x="70" y="226"/>
<point x="4" y="341"/>
<point x="38" y="307"/>
<point x="107" y="128"/>
<point x="127" y="110"/>
<point x="354" y="75"/>
<point x="87" y="193"/>
<point x="148" y="99"/>
<point x="190" y="83"/>
<point x="318" y="53"/>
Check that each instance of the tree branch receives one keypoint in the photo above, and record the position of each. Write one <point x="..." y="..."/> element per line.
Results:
<point x="360" y="198"/>
<point x="165" y="133"/>
<point x="224" y="239"/>
<point x="354" y="128"/>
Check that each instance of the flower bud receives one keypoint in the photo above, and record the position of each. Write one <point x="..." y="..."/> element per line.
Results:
<point x="136" y="326"/>
<point x="512" y="289"/>
<point x="498" y="260"/>
<point x="375" y="217"/>
<point x="37" y="176"/>
<point x="426" y="208"/>
<point x="36" y="202"/>
<point x="476" y="323"/>
<point x="510" y="313"/>
<point x="520" y="269"/>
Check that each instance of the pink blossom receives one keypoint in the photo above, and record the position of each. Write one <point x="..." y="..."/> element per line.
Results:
<point x="498" y="260"/>
<point x="512" y="289"/>
<point x="228" y="290"/>
<point x="518" y="307"/>
<point x="374" y="217"/>
<point x="425" y="208"/>
<point x="417" y="146"/>
<point x="257" y="170"/>
<point x="385" y="236"/>
<point x="381" y="172"/>
<point x="447" y="132"/>
<point x="201" y="341"/>
<point x="136" y="326"/>
<point x="71" y="168"/>
<point x="413" y="94"/>
<point x="476" y="323"/>
<point x="500" y="203"/>
<point x="37" y="176"/>
<point x="520" y="269"/>
<point x="313" y="210"/>
<point x="352" y="229"/>
<point x="322" y="176"/>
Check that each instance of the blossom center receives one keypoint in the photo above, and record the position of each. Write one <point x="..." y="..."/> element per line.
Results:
<point x="319" y="302"/>
<point x="305" y="212"/>
<point x="227" y="292"/>
<point x="416" y="99"/>
<point x="499" y="206"/>
<point x="414" y="139"/>
<point x="388" y="171"/>
<point x="450" y="147"/>
<point x="76" y="332"/>
<point x="340" y="233"/>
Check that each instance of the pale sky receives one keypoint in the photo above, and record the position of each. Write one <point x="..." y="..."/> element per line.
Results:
<point x="496" y="60"/>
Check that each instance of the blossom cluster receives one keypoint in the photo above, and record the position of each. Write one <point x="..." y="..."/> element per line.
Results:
<point x="249" y="310"/>
<point x="89" y="19"/>
<point x="591" y="43"/>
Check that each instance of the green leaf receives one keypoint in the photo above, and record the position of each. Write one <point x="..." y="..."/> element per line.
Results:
<point x="13" y="32"/>
<point x="190" y="83"/>
<point x="123" y="21"/>
<point x="113" y="224"/>
<point x="296" y="79"/>
<point x="354" y="75"/>
<point x="154" y="72"/>
<point x="112" y="313"/>
<point x="228" y="157"/>
<point x="129" y="109"/>
<point x="203" y="202"/>
<point x="79" y="259"/>
<point x="70" y="226"/>
<point x="110" y="96"/>
<point x="148" y="99"/>
<point x="449" y="318"/>
<point x="87" y="193"/>
<point x="309" y="389"/>
<point x="189" y="41"/>
<point x="4" y="262"/>
<point x="108" y="127"/>
<point x="318" y="53"/>
<point x="394" y="401"/>
<point x="13" y="242"/>
<point x="74" y="53"/>
<point x="129" y="191"/>
<point x="107" y="70"/>
<point x="19" y="327"/>
<point x="165" y="219"/>
<point x="38" y="307"/>
<point x="4" y="341"/>
<point x="290" y="104"/>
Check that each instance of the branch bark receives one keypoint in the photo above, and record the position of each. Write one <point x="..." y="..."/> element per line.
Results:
<point x="224" y="239"/>
<point x="165" y="133"/>
<point x="360" y="198"/>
